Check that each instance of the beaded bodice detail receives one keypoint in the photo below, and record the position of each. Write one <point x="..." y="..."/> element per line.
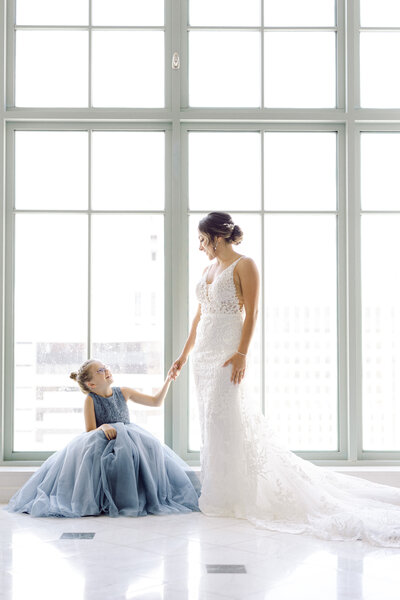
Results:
<point x="110" y="410"/>
<point x="220" y="295"/>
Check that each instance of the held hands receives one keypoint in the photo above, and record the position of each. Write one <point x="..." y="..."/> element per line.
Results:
<point x="175" y="370"/>
<point x="238" y="362"/>
<point x="109" y="431"/>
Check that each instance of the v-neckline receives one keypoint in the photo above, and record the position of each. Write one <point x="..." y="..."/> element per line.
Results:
<point x="226" y="268"/>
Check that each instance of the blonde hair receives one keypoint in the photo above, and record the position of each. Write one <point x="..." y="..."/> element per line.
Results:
<point x="83" y="375"/>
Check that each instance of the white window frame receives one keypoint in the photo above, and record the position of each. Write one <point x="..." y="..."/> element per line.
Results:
<point x="340" y="212"/>
<point x="10" y="212"/>
<point x="270" y="113"/>
<point x="365" y="456"/>
<point x="348" y="119"/>
<point x="90" y="111"/>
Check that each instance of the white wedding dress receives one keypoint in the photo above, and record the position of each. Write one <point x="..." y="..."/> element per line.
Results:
<point x="246" y="473"/>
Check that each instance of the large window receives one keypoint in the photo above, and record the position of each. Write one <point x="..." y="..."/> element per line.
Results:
<point x="88" y="273"/>
<point x="123" y="124"/>
<point x="242" y="54"/>
<point x="288" y="178"/>
<point x="89" y="53"/>
<point x="380" y="291"/>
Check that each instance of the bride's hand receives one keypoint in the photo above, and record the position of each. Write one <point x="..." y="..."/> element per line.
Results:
<point x="175" y="369"/>
<point x="238" y="362"/>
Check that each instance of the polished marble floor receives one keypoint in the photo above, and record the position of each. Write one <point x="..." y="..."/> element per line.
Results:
<point x="169" y="558"/>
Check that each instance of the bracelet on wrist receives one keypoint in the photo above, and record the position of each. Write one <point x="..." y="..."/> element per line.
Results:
<point x="241" y="353"/>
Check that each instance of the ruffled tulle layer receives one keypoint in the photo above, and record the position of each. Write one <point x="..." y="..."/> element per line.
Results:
<point x="131" y="475"/>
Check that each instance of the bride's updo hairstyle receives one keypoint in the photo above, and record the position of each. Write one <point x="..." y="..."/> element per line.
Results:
<point x="83" y="375"/>
<point x="220" y="224"/>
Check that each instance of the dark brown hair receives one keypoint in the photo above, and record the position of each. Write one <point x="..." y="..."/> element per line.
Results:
<point x="220" y="224"/>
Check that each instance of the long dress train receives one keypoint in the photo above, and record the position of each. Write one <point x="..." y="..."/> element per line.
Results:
<point x="246" y="473"/>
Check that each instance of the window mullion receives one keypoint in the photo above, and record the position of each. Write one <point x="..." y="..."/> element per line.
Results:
<point x="354" y="300"/>
<point x="340" y="55"/>
<point x="90" y="57"/>
<point x="9" y="10"/>
<point x="342" y="300"/>
<point x="261" y="312"/>
<point x="262" y="33"/>
<point x="7" y="388"/>
<point x="177" y="250"/>
<point x="184" y="44"/>
<point x="89" y="257"/>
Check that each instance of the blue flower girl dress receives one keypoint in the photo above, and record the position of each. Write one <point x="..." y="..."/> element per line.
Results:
<point x="131" y="475"/>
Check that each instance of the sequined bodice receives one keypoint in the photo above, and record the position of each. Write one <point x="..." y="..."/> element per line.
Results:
<point x="220" y="295"/>
<point x="110" y="410"/>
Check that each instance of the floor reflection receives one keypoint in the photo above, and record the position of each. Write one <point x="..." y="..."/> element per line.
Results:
<point x="165" y="558"/>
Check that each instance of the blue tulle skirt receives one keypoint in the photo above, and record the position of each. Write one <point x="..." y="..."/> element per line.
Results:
<point x="131" y="475"/>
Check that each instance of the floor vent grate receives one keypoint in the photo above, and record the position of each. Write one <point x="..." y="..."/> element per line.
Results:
<point x="226" y="569"/>
<point x="77" y="536"/>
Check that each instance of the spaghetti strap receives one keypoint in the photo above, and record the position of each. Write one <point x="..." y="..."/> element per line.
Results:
<point x="236" y="261"/>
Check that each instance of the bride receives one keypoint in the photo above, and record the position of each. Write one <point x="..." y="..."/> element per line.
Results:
<point x="246" y="473"/>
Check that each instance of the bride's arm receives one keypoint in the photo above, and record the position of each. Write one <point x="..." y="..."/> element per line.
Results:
<point x="250" y="285"/>
<point x="182" y="359"/>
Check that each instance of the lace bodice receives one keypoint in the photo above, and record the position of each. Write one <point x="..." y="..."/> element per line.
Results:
<point x="220" y="295"/>
<point x="112" y="409"/>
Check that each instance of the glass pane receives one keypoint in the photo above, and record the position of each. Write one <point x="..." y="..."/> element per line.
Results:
<point x="300" y="170"/>
<point x="128" y="68"/>
<point x="251" y="246"/>
<point x="128" y="310"/>
<point x="301" y="330"/>
<point x="52" y="12"/>
<point x="300" y="69"/>
<point x="128" y="170"/>
<point x="50" y="329"/>
<point x="126" y="12"/>
<point x="299" y="13"/>
<point x="379" y="61"/>
<point x="51" y="170"/>
<point x="380" y="246"/>
<point x="51" y="68"/>
<point x="380" y="176"/>
<point x="224" y="68"/>
<point x="228" y="13"/>
<point x="380" y="13"/>
<point x="232" y="162"/>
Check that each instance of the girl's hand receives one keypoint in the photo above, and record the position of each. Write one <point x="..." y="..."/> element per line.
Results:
<point x="238" y="362"/>
<point x="169" y="378"/>
<point x="175" y="369"/>
<point x="109" y="431"/>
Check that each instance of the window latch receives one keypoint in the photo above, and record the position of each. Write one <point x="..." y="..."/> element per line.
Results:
<point x="176" y="61"/>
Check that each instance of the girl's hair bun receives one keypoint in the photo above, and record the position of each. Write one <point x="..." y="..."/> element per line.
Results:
<point x="83" y="375"/>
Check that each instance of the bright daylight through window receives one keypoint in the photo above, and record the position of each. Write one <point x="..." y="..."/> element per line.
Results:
<point x="284" y="113"/>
